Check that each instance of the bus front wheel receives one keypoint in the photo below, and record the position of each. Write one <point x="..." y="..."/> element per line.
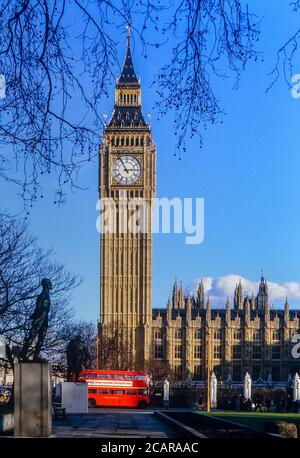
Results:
<point x="92" y="403"/>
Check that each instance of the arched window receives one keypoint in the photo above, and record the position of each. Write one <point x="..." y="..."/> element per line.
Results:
<point x="178" y="334"/>
<point x="158" y="334"/>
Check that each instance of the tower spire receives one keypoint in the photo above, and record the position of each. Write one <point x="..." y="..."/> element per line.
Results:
<point x="128" y="75"/>
<point x="128" y="27"/>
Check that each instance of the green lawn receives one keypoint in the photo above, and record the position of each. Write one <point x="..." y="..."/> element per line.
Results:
<point x="257" y="419"/>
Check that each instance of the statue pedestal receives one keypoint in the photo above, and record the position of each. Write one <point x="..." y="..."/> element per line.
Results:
<point x="74" y="397"/>
<point x="32" y="399"/>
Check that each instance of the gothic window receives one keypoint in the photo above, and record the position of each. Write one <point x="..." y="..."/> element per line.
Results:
<point x="276" y="335"/>
<point x="122" y="141"/>
<point x="127" y="141"/>
<point x="134" y="98"/>
<point x="276" y="352"/>
<point x="256" y="335"/>
<point x="158" y="334"/>
<point x="158" y="351"/>
<point x="127" y="116"/>
<point x="217" y="351"/>
<point x="113" y="141"/>
<point x="178" y="334"/>
<point x="198" y="334"/>
<point x="217" y="335"/>
<point x="178" y="351"/>
<point x="236" y="372"/>
<point x="137" y="141"/>
<point x="142" y="140"/>
<point x="117" y="141"/>
<point x="237" y="335"/>
<point x="119" y="115"/>
<point x="256" y="351"/>
<point x="178" y="370"/>
<point x="197" y="351"/>
<point x="237" y="352"/>
<point x="121" y="98"/>
<point x="131" y="98"/>
<point x="132" y="139"/>
<point x="198" y="372"/>
<point x="135" y="116"/>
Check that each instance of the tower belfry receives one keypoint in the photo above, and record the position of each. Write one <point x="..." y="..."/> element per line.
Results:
<point x="127" y="170"/>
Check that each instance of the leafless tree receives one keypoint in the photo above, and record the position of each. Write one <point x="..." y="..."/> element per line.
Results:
<point x="159" y="370"/>
<point x="113" y="349"/>
<point x="287" y="53"/>
<point x="22" y="266"/>
<point x="54" y="52"/>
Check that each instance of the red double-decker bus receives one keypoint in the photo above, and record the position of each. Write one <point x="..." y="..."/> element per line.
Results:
<point x="117" y="388"/>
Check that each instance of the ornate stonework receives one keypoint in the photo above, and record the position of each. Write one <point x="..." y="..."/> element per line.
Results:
<point x="127" y="168"/>
<point x="250" y="337"/>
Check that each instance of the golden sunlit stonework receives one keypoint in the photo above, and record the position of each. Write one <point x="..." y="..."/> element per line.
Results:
<point x="249" y="337"/>
<point x="127" y="164"/>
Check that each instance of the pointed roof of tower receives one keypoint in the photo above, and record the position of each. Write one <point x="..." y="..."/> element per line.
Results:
<point x="128" y="75"/>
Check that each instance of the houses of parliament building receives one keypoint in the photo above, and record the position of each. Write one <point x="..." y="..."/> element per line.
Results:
<point x="186" y="335"/>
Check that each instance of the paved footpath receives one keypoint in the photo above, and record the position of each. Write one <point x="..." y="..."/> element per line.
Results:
<point x="112" y="423"/>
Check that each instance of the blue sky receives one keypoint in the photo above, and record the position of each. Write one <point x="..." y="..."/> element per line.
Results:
<point x="247" y="172"/>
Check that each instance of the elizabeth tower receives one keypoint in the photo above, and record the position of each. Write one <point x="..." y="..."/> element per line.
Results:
<point x="127" y="170"/>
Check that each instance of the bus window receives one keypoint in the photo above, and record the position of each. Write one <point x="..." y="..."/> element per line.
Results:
<point x="102" y="392"/>
<point x="119" y="392"/>
<point x="111" y="392"/>
<point x="131" y="392"/>
<point x="143" y="392"/>
<point x="91" y="391"/>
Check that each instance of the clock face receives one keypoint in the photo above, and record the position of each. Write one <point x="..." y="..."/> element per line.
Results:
<point x="126" y="170"/>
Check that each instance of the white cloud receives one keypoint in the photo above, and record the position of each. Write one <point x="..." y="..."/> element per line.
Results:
<point x="219" y="288"/>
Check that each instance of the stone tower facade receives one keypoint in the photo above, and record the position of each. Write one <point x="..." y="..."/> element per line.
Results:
<point x="127" y="178"/>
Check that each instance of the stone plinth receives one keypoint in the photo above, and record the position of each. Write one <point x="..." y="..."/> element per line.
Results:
<point x="74" y="397"/>
<point x="32" y="399"/>
<point x="6" y="422"/>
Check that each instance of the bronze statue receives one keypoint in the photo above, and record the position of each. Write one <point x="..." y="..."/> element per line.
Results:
<point x="39" y="322"/>
<point x="77" y="357"/>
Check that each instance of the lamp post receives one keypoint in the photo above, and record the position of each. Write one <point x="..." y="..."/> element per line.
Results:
<point x="208" y="372"/>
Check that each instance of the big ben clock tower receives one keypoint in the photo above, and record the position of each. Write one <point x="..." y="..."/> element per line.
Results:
<point x="127" y="169"/>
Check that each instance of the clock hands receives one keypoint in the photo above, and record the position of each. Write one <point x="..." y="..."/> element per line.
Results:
<point x="126" y="170"/>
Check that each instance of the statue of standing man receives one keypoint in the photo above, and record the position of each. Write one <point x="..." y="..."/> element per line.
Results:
<point x="39" y="323"/>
